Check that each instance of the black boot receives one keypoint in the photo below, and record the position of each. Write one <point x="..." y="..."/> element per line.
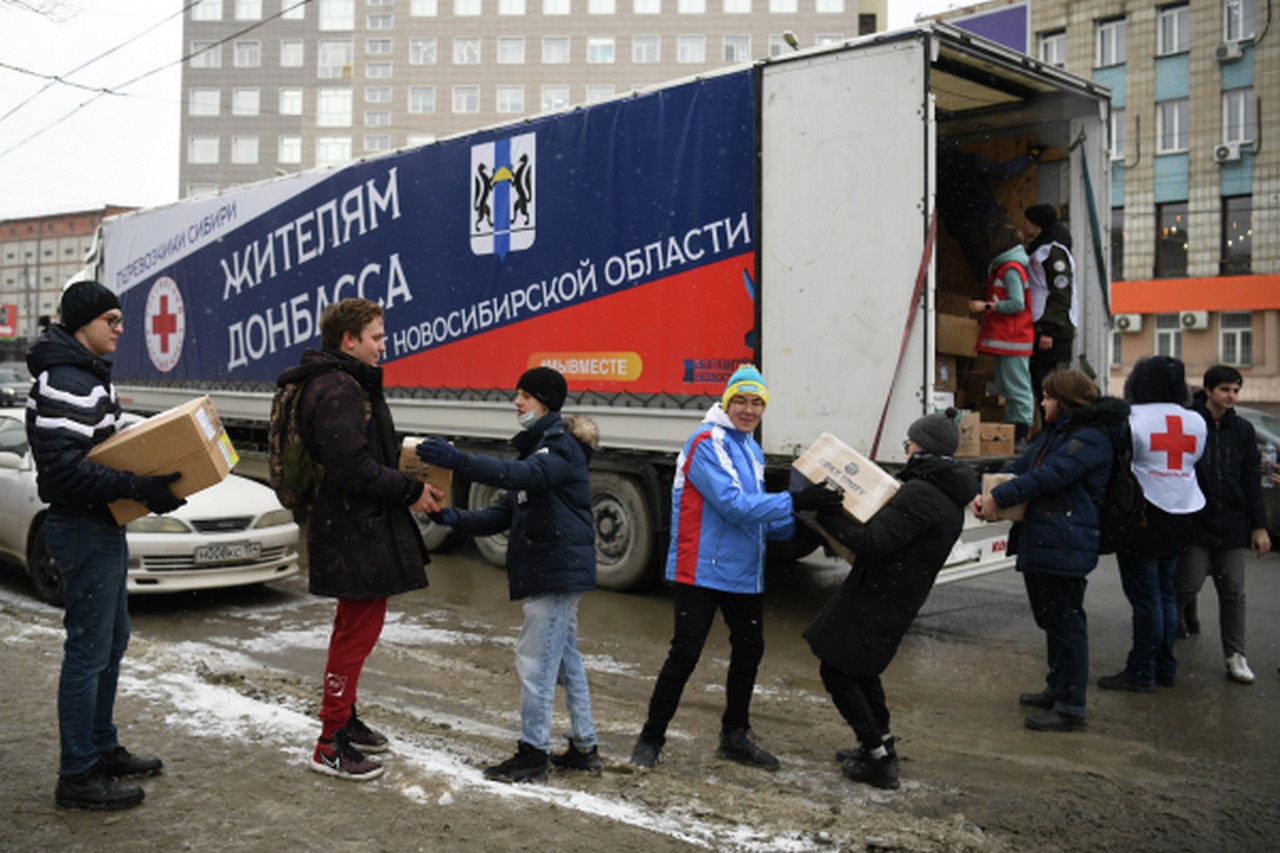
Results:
<point x="95" y="789"/>
<point x="529" y="764"/>
<point x="121" y="762"/>
<point x="740" y="745"/>
<point x="578" y="759"/>
<point x="878" y="771"/>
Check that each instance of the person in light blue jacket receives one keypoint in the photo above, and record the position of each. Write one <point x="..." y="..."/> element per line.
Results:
<point x="720" y="519"/>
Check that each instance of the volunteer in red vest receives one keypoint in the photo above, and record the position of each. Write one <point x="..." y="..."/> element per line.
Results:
<point x="1007" y="331"/>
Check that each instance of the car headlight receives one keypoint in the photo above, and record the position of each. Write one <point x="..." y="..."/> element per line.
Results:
<point x="157" y="524"/>
<point x="275" y="518"/>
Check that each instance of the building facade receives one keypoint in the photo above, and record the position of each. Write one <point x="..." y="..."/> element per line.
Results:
<point x="1194" y="225"/>
<point x="278" y="86"/>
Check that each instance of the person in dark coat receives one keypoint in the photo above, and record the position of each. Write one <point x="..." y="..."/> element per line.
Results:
<point x="551" y="562"/>
<point x="1233" y="521"/>
<point x="362" y="542"/>
<point x="1062" y="477"/>
<point x="899" y="553"/>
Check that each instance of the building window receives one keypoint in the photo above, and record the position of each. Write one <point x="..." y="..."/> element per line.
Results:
<point x="830" y="7"/>
<point x="783" y="7"/>
<point x="737" y="48"/>
<point x="204" y="102"/>
<point x="511" y="7"/>
<point x="599" y="92"/>
<point x="205" y="54"/>
<point x="377" y="70"/>
<point x="1110" y="43"/>
<point x="1173" y="30"/>
<point x="380" y="21"/>
<point x="1117" y="134"/>
<point x="377" y="94"/>
<point x="292" y="53"/>
<point x="1171" y="126"/>
<point x="333" y="150"/>
<point x="466" y="50"/>
<point x="466" y="99"/>
<point x="248" y="10"/>
<point x="510" y="99"/>
<point x="207" y="10"/>
<point x="377" y="118"/>
<point x="737" y="7"/>
<point x="827" y="38"/>
<point x="466" y="8"/>
<point x="646" y="7"/>
<point x="1053" y="48"/>
<point x="334" y="58"/>
<point x="338" y="15"/>
<point x="422" y="51"/>
<point x="691" y="7"/>
<point x="202" y="150"/>
<point x="1169" y="335"/>
<point x="602" y="7"/>
<point x="1238" y="123"/>
<point x="1117" y="348"/>
<point x="378" y="47"/>
<point x="247" y="54"/>
<point x="423" y="8"/>
<point x="246" y="102"/>
<point x="1235" y="338"/>
<point x="1237" y="235"/>
<point x="422" y="99"/>
<point x="333" y="108"/>
<point x="1172" y="240"/>
<point x="1238" y="19"/>
<point x="293" y="10"/>
<point x="555" y="50"/>
<point x="777" y="45"/>
<point x="416" y="139"/>
<point x="646" y="50"/>
<point x="555" y="7"/>
<point x="290" y="102"/>
<point x="244" y="150"/>
<point x="377" y="142"/>
<point x="1117" y="244"/>
<point x="555" y="97"/>
<point x="600" y="50"/>
<point x="691" y="49"/>
<point x="511" y="50"/>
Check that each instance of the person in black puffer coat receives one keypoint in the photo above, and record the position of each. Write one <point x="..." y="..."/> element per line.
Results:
<point x="1062" y="477"/>
<point x="899" y="553"/>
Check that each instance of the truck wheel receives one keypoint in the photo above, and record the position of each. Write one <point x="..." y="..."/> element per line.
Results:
<point x="46" y="577"/>
<point x="492" y="548"/>
<point x="624" y="531"/>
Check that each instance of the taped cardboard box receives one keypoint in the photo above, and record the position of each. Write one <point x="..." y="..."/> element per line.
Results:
<point x="866" y="486"/>
<point x="995" y="439"/>
<point x="970" y="445"/>
<point x="1010" y="513"/>
<point x="187" y="438"/>
<point x="955" y="335"/>
<point x="434" y="475"/>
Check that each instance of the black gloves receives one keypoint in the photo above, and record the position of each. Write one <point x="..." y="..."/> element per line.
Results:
<point x="437" y="451"/>
<point x="447" y="516"/>
<point x="817" y="496"/>
<point x="154" y="493"/>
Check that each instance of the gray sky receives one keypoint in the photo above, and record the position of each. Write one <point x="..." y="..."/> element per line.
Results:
<point x="75" y="148"/>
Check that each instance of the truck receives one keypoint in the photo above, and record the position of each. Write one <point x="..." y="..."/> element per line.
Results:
<point x="780" y="213"/>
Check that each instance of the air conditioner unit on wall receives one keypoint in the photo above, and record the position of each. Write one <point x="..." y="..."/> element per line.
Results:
<point x="1228" y="51"/>
<point x="1227" y="152"/>
<point x="1195" y="320"/>
<point x="1128" y="323"/>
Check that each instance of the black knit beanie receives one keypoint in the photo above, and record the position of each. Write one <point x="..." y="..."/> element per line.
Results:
<point x="83" y="302"/>
<point x="545" y="385"/>
<point x="1041" y="215"/>
<point x="937" y="433"/>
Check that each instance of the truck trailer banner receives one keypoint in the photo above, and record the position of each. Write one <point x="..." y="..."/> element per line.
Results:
<point x="614" y="242"/>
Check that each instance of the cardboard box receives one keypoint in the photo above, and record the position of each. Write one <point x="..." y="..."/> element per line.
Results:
<point x="866" y="486"/>
<point x="945" y="377"/>
<point x="1011" y="513"/>
<point x="833" y="544"/>
<point x="955" y="335"/>
<point x="441" y="478"/>
<point x="956" y="304"/>
<point x="970" y="445"/>
<point x="995" y="439"/>
<point x="187" y="438"/>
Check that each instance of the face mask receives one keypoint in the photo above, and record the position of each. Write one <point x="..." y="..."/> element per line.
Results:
<point x="528" y="419"/>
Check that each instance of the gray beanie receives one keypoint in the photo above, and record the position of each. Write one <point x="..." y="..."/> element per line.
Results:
<point x="83" y="302"/>
<point x="937" y="433"/>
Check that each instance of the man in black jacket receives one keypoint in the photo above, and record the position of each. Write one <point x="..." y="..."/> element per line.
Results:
<point x="72" y="409"/>
<point x="1232" y="522"/>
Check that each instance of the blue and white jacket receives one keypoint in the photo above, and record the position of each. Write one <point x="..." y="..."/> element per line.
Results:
<point x="720" y="512"/>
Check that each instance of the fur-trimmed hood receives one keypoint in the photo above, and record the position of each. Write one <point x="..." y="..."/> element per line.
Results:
<point x="584" y="430"/>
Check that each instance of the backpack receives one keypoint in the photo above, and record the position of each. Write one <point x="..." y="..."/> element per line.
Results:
<point x="291" y="471"/>
<point x="1123" y="508"/>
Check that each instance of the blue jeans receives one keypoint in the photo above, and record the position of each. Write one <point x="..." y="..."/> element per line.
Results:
<point x="94" y="560"/>
<point x="546" y="655"/>
<point x="1149" y="585"/>
<point x="1057" y="603"/>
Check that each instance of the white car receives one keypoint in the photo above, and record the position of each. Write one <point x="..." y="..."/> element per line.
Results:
<point x="231" y="534"/>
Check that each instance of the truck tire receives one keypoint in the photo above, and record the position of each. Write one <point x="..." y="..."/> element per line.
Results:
<point x="492" y="548"/>
<point x="436" y="537"/>
<point x="624" y="531"/>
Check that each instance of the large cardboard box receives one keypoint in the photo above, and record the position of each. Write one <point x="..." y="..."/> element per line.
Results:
<point x="1011" y="513"/>
<point x="187" y="438"/>
<point x="434" y="475"/>
<point x="955" y="335"/>
<point x="948" y="302"/>
<point x="970" y="445"/>
<point x="995" y="439"/>
<point x="866" y="485"/>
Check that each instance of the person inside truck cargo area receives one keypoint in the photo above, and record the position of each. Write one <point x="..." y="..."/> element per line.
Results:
<point x="71" y="409"/>
<point x="362" y="542"/>
<point x="1007" y="331"/>
<point x="899" y="553"/>
<point x="1168" y="441"/>
<point x="1062" y="477"/>
<point x="720" y="519"/>
<point x="1054" y="304"/>
<point x="551" y="562"/>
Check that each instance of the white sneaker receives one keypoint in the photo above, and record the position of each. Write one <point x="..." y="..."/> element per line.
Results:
<point x="1238" y="669"/>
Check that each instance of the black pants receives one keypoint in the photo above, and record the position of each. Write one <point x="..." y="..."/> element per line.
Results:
<point x="695" y="610"/>
<point x="1046" y="361"/>
<point x="860" y="700"/>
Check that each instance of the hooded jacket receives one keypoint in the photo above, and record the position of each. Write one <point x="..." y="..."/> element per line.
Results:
<point x="720" y="512"/>
<point x="547" y="508"/>
<point x="1007" y="327"/>
<point x="899" y="553"/>
<point x="362" y="541"/>
<point x="1230" y="475"/>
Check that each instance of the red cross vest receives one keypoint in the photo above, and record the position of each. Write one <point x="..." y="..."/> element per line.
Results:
<point x="1007" y="334"/>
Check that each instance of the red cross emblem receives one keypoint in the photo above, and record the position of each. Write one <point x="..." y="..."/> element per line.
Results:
<point x="1175" y="442"/>
<point x="164" y="323"/>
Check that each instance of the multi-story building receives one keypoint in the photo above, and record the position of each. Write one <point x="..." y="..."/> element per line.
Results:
<point x="37" y="256"/>
<point x="277" y="86"/>
<point x="1194" y="225"/>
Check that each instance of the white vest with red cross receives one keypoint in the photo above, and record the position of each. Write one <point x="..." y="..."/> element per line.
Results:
<point x="1167" y="441"/>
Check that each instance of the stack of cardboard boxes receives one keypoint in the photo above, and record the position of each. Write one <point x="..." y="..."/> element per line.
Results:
<point x="966" y="380"/>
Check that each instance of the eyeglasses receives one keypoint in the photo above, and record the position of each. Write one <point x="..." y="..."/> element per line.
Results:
<point x="113" y="321"/>
<point x="753" y="403"/>
<point x="906" y="445"/>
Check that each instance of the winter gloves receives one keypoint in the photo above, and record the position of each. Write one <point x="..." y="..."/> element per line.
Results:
<point x="154" y="493"/>
<point x="437" y="451"/>
<point x="448" y="517"/>
<point x="817" y="496"/>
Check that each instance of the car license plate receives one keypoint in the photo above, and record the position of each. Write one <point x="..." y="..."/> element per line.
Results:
<point x="238" y="552"/>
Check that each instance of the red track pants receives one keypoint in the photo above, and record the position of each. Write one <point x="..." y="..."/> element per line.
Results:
<point x="356" y="627"/>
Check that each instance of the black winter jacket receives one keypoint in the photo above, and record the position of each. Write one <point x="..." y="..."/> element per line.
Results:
<point x="899" y="552"/>
<point x="73" y="408"/>
<point x="547" y="507"/>
<point x="1230" y="475"/>
<point x="362" y="541"/>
